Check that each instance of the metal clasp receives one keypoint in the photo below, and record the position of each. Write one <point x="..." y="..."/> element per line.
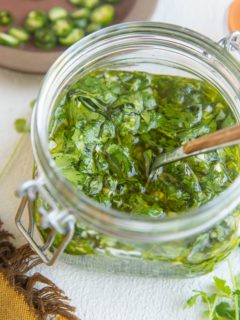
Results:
<point x="231" y="43"/>
<point x="58" y="221"/>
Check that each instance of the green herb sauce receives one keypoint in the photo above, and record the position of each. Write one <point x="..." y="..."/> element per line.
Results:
<point x="104" y="135"/>
<point x="111" y="125"/>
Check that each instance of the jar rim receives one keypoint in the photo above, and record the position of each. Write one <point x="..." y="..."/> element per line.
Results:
<point x="111" y="221"/>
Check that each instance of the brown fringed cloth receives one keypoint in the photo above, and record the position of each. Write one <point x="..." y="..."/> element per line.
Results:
<point x="20" y="299"/>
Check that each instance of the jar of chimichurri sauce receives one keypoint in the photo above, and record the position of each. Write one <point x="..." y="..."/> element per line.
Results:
<point x="107" y="107"/>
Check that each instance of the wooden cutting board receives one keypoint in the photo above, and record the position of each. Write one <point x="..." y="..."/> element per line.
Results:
<point x="30" y="59"/>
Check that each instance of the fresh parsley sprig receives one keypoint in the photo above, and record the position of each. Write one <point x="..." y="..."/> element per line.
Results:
<point x="223" y="303"/>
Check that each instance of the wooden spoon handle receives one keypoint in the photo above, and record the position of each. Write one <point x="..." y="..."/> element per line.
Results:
<point x="216" y="139"/>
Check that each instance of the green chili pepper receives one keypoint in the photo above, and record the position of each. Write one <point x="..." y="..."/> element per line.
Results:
<point x="35" y="20"/>
<point x="92" y="27"/>
<point x="57" y="13"/>
<point x="90" y="3"/>
<point x="85" y="3"/>
<point x="76" y="2"/>
<point x="81" y="13"/>
<point x="8" y="40"/>
<point x="80" y="18"/>
<point x="5" y="18"/>
<point x="103" y="15"/>
<point x="80" y="23"/>
<point x="19" y="33"/>
<point x="62" y="27"/>
<point x="112" y="1"/>
<point x="45" y="38"/>
<point x="72" y="37"/>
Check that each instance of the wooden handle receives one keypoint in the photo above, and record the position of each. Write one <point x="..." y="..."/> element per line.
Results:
<point x="217" y="138"/>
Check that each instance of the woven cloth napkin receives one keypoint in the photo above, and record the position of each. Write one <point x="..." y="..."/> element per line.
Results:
<point x="24" y="295"/>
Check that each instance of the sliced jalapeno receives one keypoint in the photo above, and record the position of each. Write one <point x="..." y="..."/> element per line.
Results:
<point x="62" y="27"/>
<point x="35" y="20"/>
<point x="45" y="38"/>
<point x="81" y="13"/>
<point x="92" y="27"/>
<point x="85" y="3"/>
<point x="80" y="23"/>
<point x="8" y="40"/>
<point x="103" y="15"/>
<point x="74" y="36"/>
<point x="19" y="33"/>
<point x="57" y="13"/>
<point x="6" y="18"/>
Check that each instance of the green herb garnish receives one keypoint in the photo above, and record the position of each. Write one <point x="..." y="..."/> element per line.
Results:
<point x="223" y="303"/>
<point x="21" y="125"/>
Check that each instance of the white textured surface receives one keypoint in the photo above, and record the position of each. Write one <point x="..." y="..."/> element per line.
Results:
<point x="101" y="296"/>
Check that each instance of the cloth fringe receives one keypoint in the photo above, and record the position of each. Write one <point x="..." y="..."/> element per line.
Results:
<point x="45" y="298"/>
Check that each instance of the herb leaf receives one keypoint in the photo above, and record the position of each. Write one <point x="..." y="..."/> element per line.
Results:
<point x="192" y="301"/>
<point x="222" y="287"/>
<point x="225" y="311"/>
<point x="224" y="303"/>
<point x="21" y="125"/>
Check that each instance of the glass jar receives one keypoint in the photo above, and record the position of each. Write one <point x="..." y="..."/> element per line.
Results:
<point x="99" y="238"/>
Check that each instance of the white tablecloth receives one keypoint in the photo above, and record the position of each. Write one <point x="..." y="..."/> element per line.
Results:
<point x="107" y="296"/>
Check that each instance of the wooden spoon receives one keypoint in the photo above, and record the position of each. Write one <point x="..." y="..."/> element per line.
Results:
<point x="219" y="139"/>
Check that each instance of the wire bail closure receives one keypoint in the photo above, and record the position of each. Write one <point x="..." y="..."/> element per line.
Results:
<point x="231" y="43"/>
<point x="59" y="222"/>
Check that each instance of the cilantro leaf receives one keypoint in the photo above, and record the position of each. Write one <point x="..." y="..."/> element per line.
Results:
<point x="21" y="125"/>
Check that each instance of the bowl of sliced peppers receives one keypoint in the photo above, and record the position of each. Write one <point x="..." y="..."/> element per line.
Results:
<point x="34" y="33"/>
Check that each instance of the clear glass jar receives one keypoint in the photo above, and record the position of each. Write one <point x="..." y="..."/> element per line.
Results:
<point x="189" y="244"/>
